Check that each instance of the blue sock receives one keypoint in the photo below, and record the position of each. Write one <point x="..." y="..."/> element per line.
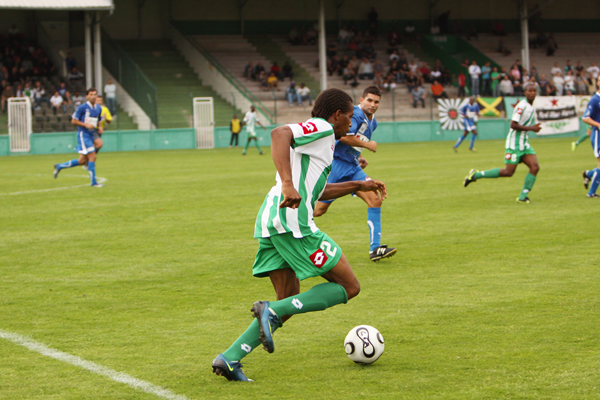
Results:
<point x="374" y="221"/>
<point x="595" y="181"/>
<point x="92" y="171"/>
<point x="68" y="164"/>
<point x="472" y="141"/>
<point x="459" y="141"/>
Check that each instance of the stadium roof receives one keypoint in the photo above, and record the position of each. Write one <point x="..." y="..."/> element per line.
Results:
<point x="89" y="5"/>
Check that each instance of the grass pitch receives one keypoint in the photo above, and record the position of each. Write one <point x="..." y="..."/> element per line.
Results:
<point x="151" y="276"/>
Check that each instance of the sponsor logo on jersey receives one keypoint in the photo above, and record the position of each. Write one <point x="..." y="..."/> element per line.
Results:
<point x="318" y="258"/>
<point x="308" y="127"/>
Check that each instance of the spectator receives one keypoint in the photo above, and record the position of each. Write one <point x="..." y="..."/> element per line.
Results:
<point x="70" y="62"/>
<point x="418" y="94"/>
<point x="365" y="70"/>
<point x="551" y="45"/>
<point x="551" y="90"/>
<point x="27" y="90"/>
<point x="579" y="68"/>
<point x="570" y="81"/>
<point x="462" y="82"/>
<point x="411" y="81"/>
<point x="64" y="93"/>
<point x="425" y="72"/>
<point x="7" y="93"/>
<point x="331" y="49"/>
<point x="291" y="93"/>
<point x="304" y="93"/>
<point x="543" y="85"/>
<point x="56" y="101"/>
<point x="436" y="75"/>
<point x="75" y="76"/>
<point x="568" y="67"/>
<point x="534" y="73"/>
<point x="593" y="70"/>
<point x="275" y="70"/>
<point x="350" y="74"/>
<point x="474" y="72"/>
<point x="410" y="32"/>
<point x="413" y="67"/>
<point x="506" y="86"/>
<point x="437" y="91"/>
<point x="263" y="82"/>
<point x="287" y="70"/>
<point x="354" y="63"/>
<point x="38" y="94"/>
<point x="404" y="70"/>
<point x="294" y="36"/>
<point x="495" y="78"/>
<point x="273" y="82"/>
<point x="559" y="83"/>
<point x="248" y="70"/>
<point x="389" y="83"/>
<point x="394" y="38"/>
<point x="257" y="71"/>
<point x="110" y="94"/>
<point x="395" y="72"/>
<point x="369" y="51"/>
<point x="19" y="91"/>
<point x="344" y="35"/>
<point x="555" y="69"/>
<point x="486" y="79"/>
<point x="334" y="66"/>
<point x="581" y="84"/>
<point x="394" y="57"/>
<point x="78" y="99"/>
<point x="515" y="73"/>
<point x="378" y="69"/>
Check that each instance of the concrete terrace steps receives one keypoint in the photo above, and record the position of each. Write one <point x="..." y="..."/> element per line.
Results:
<point x="176" y="83"/>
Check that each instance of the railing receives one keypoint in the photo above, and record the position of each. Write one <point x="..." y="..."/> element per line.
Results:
<point x="130" y="76"/>
<point x="241" y="89"/>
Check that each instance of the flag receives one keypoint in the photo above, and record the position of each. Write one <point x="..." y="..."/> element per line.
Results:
<point x="490" y="106"/>
<point x="450" y="117"/>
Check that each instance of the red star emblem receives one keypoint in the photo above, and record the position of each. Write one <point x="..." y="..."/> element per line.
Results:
<point x="453" y="114"/>
<point x="554" y="102"/>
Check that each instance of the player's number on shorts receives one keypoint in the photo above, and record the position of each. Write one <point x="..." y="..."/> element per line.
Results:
<point x="326" y="247"/>
<point x="513" y="158"/>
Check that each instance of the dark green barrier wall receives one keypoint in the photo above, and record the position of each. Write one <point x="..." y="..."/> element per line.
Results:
<point x="171" y="139"/>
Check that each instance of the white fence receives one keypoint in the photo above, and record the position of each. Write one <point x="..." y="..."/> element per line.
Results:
<point x="19" y="123"/>
<point x="204" y="122"/>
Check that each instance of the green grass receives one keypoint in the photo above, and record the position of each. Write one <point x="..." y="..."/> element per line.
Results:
<point x="151" y="276"/>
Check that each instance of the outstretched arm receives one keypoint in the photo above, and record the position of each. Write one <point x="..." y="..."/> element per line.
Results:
<point x="281" y="140"/>
<point x="535" y="128"/>
<point x="352" y="140"/>
<point x="337" y="190"/>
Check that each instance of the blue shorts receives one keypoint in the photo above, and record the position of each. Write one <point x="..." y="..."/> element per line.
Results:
<point x="469" y="125"/>
<point x="342" y="171"/>
<point x="595" y="139"/>
<point x="85" y="143"/>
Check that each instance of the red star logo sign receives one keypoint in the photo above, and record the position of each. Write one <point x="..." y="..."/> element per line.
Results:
<point x="554" y="102"/>
<point x="453" y="114"/>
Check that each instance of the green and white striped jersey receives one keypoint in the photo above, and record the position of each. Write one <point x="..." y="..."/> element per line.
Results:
<point x="524" y="115"/>
<point x="311" y="156"/>
<point x="250" y="119"/>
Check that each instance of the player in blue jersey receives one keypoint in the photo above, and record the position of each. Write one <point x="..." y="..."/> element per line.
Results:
<point x="470" y="112"/>
<point x="348" y="165"/>
<point x="591" y="178"/>
<point x="87" y="118"/>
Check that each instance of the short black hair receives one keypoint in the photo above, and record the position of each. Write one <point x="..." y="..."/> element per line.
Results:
<point x="92" y="89"/>
<point x="329" y="101"/>
<point x="371" y="89"/>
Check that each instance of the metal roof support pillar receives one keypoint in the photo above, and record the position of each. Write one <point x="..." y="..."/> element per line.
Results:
<point x="322" y="50"/>
<point x="98" y="53"/>
<point x="88" y="50"/>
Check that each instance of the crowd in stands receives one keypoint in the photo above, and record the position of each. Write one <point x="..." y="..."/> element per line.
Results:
<point x="268" y="80"/>
<point x="560" y="81"/>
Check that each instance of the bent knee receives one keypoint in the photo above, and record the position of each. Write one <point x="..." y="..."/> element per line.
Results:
<point x="353" y="290"/>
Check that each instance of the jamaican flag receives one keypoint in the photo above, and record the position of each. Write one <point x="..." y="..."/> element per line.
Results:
<point x="490" y="106"/>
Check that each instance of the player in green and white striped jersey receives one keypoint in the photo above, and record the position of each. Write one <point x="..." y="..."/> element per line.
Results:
<point x="518" y="149"/>
<point x="291" y="247"/>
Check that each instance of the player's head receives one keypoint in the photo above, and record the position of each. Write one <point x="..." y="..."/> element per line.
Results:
<point x="598" y="83"/>
<point x="369" y="102"/>
<point x="252" y="108"/>
<point x="91" y="95"/>
<point x="530" y="91"/>
<point x="471" y="99"/>
<point x="99" y="100"/>
<point x="336" y="107"/>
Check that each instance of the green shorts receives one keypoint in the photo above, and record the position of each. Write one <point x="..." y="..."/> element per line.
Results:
<point x="515" y="156"/>
<point x="309" y="256"/>
<point x="251" y="134"/>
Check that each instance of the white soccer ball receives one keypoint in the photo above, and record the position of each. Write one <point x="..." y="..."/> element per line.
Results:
<point x="364" y="344"/>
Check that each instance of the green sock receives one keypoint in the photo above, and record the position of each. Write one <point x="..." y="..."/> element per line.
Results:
<point x="527" y="185"/>
<point x="247" y="144"/>
<point x="257" y="146"/>
<point x="247" y="342"/>
<point x="581" y="139"/>
<point x="318" y="298"/>
<point x="490" y="173"/>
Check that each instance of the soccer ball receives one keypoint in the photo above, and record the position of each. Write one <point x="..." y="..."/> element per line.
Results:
<point x="364" y="344"/>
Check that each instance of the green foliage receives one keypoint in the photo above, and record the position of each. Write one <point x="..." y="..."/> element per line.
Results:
<point x="151" y="276"/>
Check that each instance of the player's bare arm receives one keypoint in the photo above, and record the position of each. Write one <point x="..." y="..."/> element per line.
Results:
<point x="337" y="190"/>
<point x="591" y="122"/>
<point x="352" y="140"/>
<point x="281" y="140"/>
<point x="535" y="128"/>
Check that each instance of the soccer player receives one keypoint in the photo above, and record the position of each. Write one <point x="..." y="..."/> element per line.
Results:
<point x="249" y="120"/>
<point x="348" y="165"/>
<point x="291" y="247"/>
<point x="581" y="139"/>
<point x="470" y="113"/>
<point x="518" y="149"/>
<point x="87" y="118"/>
<point x="591" y="116"/>
<point x="106" y="118"/>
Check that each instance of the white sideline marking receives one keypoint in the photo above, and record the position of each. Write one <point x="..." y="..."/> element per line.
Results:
<point x="121" y="377"/>
<point x="100" y="180"/>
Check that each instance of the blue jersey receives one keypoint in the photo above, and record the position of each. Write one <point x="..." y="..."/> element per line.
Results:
<point x="363" y="129"/>
<point x="470" y="111"/>
<point x="90" y="114"/>
<point x="593" y="111"/>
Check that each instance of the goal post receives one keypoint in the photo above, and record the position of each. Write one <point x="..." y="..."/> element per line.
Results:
<point x="204" y="122"/>
<point x="19" y="123"/>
